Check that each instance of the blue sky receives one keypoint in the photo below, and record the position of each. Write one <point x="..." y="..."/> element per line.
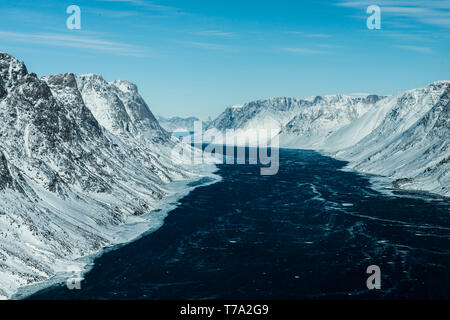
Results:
<point x="197" y="57"/>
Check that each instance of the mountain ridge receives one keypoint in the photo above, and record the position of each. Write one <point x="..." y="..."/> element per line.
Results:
<point x="350" y="127"/>
<point x="68" y="184"/>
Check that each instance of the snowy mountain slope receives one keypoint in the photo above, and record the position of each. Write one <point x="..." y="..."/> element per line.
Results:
<point x="259" y="114"/>
<point x="119" y="108"/>
<point x="354" y="131"/>
<point x="313" y="125"/>
<point x="412" y="142"/>
<point x="404" y="137"/>
<point x="178" y="124"/>
<point x="394" y="115"/>
<point x="68" y="184"/>
<point x="304" y="122"/>
<point x="270" y="114"/>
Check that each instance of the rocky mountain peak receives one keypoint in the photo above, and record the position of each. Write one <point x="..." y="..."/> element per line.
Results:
<point x="373" y="98"/>
<point x="90" y="79"/>
<point x="119" y="107"/>
<point x="125" y="86"/>
<point x="33" y="89"/>
<point x="66" y="80"/>
<point x="440" y="84"/>
<point x="12" y="71"/>
<point x="318" y="99"/>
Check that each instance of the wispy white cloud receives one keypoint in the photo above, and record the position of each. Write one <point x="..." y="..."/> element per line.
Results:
<point x="215" y="33"/>
<point x="415" y="48"/>
<point x="72" y="41"/>
<point x="310" y="35"/>
<point x="412" y="36"/>
<point x="438" y="4"/>
<point x="206" y="45"/>
<point x="113" y="13"/>
<point x="151" y="5"/>
<point x="329" y="46"/>
<point x="27" y="16"/>
<point x="431" y="12"/>
<point x="303" y="50"/>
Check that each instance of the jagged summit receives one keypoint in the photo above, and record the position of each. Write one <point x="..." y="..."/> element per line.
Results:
<point x="66" y="80"/>
<point x="125" y="86"/>
<point x="11" y="73"/>
<point x="440" y="82"/>
<point x="119" y="108"/>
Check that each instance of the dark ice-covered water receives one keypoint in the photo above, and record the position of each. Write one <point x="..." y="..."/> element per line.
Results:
<point x="310" y="231"/>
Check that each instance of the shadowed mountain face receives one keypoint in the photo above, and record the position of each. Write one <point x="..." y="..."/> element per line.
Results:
<point x="78" y="158"/>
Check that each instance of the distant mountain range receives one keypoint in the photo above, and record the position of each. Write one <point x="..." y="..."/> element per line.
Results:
<point x="405" y="137"/>
<point x="79" y="157"/>
<point x="178" y="124"/>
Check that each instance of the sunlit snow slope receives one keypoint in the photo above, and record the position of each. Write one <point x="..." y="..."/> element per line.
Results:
<point x="410" y="142"/>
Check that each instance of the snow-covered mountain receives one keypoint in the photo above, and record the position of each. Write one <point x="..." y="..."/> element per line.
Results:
<point x="262" y="114"/>
<point x="178" y="124"/>
<point x="312" y="126"/>
<point x="404" y="137"/>
<point x="259" y="114"/>
<point x="119" y="108"/>
<point x="311" y="119"/>
<point x="410" y="140"/>
<point x="79" y="158"/>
